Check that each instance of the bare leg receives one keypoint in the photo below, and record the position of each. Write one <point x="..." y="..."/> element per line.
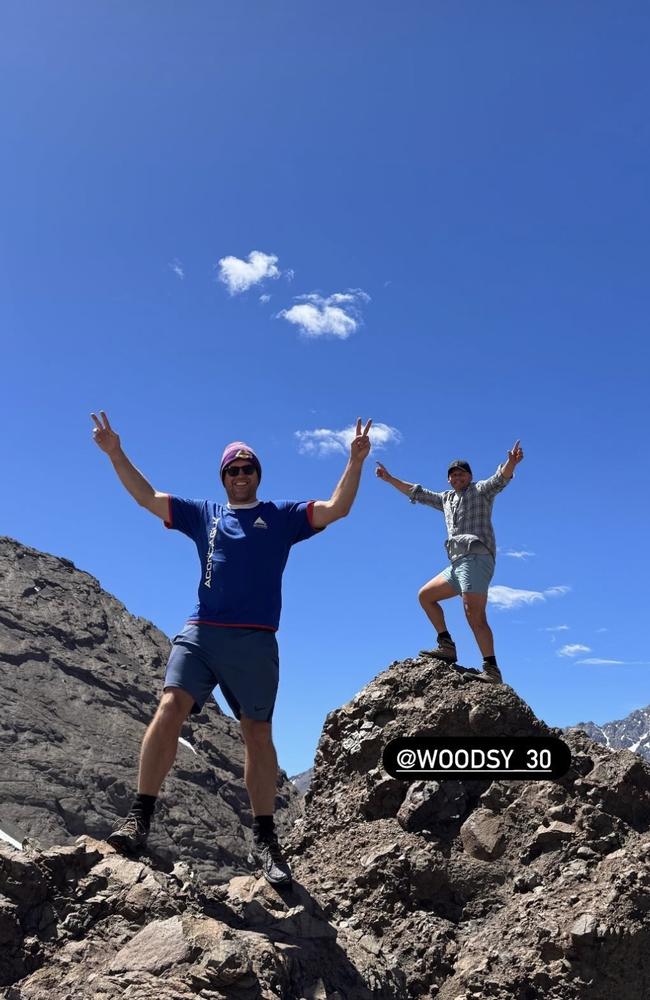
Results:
<point x="261" y="777"/>
<point x="260" y="767"/>
<point x="474" y="605"/>
<point x="161" y="739"/>
<point x="435" y="590"/>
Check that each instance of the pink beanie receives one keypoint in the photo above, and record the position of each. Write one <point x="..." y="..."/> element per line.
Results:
<point x="239" y="449"/>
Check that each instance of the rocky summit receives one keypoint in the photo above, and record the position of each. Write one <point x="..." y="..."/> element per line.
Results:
<point x="453" y="889"/>
<point x="477" y="890"/>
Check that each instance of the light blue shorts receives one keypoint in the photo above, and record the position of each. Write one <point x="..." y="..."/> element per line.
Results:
<point x="243" y="662"/>
<point x="470" y="574"/>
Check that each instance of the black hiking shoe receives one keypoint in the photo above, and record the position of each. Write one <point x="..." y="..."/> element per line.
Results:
<point x="268" y="855"/>
<point x="445" y="651"/>
<point x="130" y="835"/>
<point x="491" y="674"/>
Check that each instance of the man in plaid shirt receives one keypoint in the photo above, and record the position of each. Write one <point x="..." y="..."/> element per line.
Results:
<point x="471" y="548"/>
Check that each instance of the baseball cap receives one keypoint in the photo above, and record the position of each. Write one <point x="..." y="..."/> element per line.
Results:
<point x="459" y="463"/>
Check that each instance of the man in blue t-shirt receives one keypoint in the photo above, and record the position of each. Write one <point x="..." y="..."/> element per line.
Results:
<point x="229" y="638"/>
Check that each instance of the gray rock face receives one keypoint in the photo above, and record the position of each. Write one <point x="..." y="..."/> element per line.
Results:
<point x="80" y="679"/>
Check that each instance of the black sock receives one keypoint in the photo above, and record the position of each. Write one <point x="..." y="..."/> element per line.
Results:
<point x="492" y="660"/>
<point x="444" y="635"/>
<point x="263" y="828"/>
<point x="143" y="806"/>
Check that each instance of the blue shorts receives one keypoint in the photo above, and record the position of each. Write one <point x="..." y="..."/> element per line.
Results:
<point x="243" y="662"/>
<point x="470" y="574"/>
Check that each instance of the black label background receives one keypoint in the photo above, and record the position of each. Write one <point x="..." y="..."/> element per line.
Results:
<point x="519" y="769"/>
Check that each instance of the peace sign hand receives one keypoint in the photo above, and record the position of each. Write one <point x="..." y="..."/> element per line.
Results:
<point x="104" y="435"/>
<point x="516" y="453"/>
<point x="360" y="447"/>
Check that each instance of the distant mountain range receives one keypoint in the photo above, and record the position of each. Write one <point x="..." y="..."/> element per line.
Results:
<point x="631" y="733"/>
<point x="302" y="781"/>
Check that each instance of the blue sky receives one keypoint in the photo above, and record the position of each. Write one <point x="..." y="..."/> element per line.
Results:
<point x="451" y="206"/>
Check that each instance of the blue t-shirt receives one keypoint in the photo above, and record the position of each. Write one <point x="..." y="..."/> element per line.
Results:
<point x="243" y="552"/>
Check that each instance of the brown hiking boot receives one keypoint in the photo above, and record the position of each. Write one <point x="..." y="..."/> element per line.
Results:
<point x="130" y="835"/>
<point x="491" y="674"/>
<point x="445" y="651"/>
<point x="269" y="857"/>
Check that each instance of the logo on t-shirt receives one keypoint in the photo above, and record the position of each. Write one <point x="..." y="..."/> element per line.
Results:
<point x="211" y="540"/>
<point x="259" y="523"/>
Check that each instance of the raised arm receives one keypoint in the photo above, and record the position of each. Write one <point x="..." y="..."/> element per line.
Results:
<point x="515" y="456"/>
<point x="326" y="511"/>
<point x="382" y="473"/>
<point x="133" y="481"/>
<point x="490" y="487"/>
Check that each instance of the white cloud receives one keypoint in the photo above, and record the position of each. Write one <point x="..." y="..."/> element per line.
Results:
<point x="265" y="298"/>
<point x="557" y="591"/>
<point x="323" y="442"/>
<point x="573" y="649"/>
<point x="555" y="628"/>
<point x="338" y="315"/>
<point x="316" y="321"/>
<point x="519" y="555"/>
<point x="177" y="268"/>
<point x="507" y="598"/>
<point x="595" y="661"/>
<point x="602" y="630"/>
<point x="240" y="275"/>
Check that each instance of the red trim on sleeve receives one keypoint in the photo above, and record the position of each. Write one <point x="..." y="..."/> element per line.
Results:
<point x="169" y="523"/>
<point x="310" y="516"/>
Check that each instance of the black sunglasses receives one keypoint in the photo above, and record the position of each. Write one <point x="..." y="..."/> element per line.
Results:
<point x="237" y="470"/>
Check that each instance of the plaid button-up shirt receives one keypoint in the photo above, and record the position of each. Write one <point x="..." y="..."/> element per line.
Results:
<point x="468" y="515"/>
